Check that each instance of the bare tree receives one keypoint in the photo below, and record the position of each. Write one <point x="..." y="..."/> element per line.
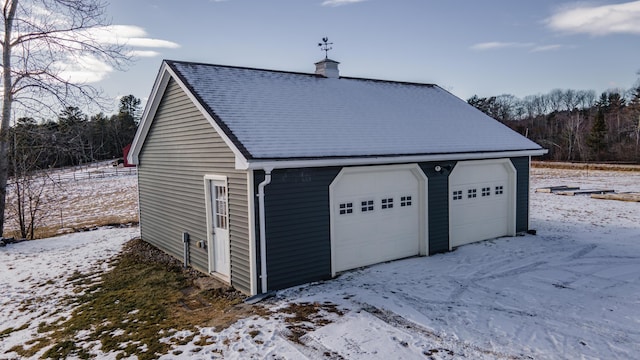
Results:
<point x="43" y="42"/>
<point x="587" y="99"/>
<point x="29" y="204"/>
<point x="29" y="182"/>
<point x="555" y="100"/>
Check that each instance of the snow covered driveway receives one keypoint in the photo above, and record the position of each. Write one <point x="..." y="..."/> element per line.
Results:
<point x="544" y="297"/>
<point x="570" y="292"/>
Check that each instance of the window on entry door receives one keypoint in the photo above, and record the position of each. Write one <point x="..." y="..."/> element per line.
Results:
<point x="221" y="207"/>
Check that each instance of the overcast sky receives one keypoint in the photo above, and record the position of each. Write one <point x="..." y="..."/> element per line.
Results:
<point x="468" y="47"/>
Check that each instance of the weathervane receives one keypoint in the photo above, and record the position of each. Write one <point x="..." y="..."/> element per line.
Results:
<point x="324" y="46"/>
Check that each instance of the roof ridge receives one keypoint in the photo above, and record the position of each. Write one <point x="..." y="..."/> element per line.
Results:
<point x="238" y="67"/>
<point x="390" y="81"/>
<point x="170" y="62"/>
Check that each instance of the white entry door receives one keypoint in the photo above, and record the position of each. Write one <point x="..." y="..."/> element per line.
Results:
<point x="218" y="226"/>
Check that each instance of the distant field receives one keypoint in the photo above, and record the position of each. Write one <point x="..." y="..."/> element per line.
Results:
<point x="81" y="198"/>
<point x="584" y="166"/>
<point x="100" y="194"/>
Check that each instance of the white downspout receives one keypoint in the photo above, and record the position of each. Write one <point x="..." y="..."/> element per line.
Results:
<point x="263" y="231"/>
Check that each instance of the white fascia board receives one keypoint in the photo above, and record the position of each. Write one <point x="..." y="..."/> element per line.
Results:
<point x="289" y="164"/>
<point x="149" y="113"/>
<point x="240" y="159"/>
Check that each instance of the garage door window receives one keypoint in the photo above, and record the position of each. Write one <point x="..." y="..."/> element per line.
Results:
<point x="471" y="193"/>
<point x="457" y="195"/>
<point x="387" y="203"/>
<point x="486" y="191"/>
<point x="346" y="208"/>
<point x="405" y="201"/>
<point x="499" y="190"/>
<point x="366" y="206"/>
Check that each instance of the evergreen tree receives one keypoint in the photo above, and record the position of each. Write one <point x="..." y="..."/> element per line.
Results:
<point x="130" y="105"/>
<point x="72" y="124"/>
<point x="125" y="123"/>
<point x="597" y="136"/>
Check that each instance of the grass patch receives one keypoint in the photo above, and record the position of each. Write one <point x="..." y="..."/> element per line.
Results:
<point x="6" y="332"/>
<point x="141" y="300"/>
<point x="43" y="232"/>
<point x="305" y="317"/>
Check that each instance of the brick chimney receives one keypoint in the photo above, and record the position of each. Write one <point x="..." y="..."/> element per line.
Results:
<point x="328" y="68"/>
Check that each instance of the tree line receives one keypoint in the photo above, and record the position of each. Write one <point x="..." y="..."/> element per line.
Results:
<point x="74" y="138"/>
<point x="574" y="125"/>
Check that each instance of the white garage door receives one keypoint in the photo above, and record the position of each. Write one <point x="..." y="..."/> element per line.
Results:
<point x="376" y="215"/>
<point x="481" y="201"/>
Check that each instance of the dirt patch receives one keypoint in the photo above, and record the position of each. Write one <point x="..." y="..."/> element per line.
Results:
<point x="305" y="317"/>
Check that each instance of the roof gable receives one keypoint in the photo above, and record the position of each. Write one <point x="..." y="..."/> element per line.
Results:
<point x="165" y="75"/>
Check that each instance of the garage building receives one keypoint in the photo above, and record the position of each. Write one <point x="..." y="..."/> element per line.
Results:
<point x="268" y="179"/>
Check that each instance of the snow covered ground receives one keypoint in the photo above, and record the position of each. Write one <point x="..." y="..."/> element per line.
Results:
<point x="35" y="277"/>
<point x="571" y="291"/>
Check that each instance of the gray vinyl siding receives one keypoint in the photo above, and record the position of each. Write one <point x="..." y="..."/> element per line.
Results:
<point x="297" y="225"/>
<point x="180" y="148"/>
<point x="522" y="192"/>
<point x="438" y="205"/>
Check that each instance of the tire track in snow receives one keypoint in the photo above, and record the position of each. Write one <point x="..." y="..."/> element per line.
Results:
<point x="463" y="286"/>
<point x="310" y="347"/>
<point x="618" y="333"/>
<point x="443" y="344"/>
<point x="582" y="252"/>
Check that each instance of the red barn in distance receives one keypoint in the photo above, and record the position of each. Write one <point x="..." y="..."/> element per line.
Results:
<point x="125" y="152"/>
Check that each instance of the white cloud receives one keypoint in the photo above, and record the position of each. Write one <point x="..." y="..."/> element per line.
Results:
<point x="83" y="69"/>
<point x="598" y="20"/>
<point x="546" y="48"/>
<point x="153" y="43"/>
<point x="334" y="3"/>
<point x="89" y="69"/>
<point x="133" y="36"/>
<point x="499" y="45"/>
<point x="532" y="47"/>
<point x="143" y="53"/>
<point x="115" y="34"/>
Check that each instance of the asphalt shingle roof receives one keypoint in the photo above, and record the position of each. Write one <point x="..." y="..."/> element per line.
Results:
<point x="275" y="115"/>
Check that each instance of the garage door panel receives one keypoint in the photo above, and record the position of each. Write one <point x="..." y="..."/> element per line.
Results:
<point x="359" y="252"/>
<point x="478" y="216"/>
<point x="363" y="184"/>
<point x="478" y="174"/>
<point x="375" y="217"/>
<point x="471" y="232"/>
<point x="476" y="211"/>
<point x="480" y="201"/>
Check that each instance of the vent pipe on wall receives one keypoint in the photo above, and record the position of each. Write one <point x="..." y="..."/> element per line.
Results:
<point x="185" y="240"/>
